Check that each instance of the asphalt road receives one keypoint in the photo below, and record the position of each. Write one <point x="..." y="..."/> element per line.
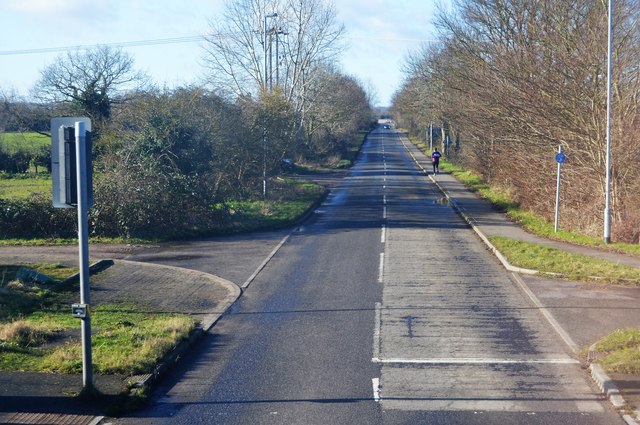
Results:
<point x="383" y="308"/>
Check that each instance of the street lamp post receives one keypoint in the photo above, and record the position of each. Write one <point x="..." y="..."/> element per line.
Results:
<point x="266" y="79"/>
<point x="607" y="202"/>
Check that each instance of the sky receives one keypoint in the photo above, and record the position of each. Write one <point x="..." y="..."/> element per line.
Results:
<point x="162" y="36"/>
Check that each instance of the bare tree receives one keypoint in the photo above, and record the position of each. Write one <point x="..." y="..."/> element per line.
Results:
<point x="89" y="81"/>
<point x="304" y="33"/>
<point x="518" y="77"/>
<point x="340" y="108"/>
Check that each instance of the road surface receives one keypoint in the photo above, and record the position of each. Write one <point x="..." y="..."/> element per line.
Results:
<point x="383" y="308"/>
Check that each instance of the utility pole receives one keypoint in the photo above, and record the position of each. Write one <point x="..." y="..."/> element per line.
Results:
<point x="271" y="33"/>
<point x="266" y="87"/>
<point x="267" y="50"/>
<point x="279" y="32"/>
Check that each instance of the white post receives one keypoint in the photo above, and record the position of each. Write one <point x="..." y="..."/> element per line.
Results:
<point x="430" y="137"/>
<point x="83" y="245"/>
<point x="555" y="228"/>
<point x="607" y="201"/>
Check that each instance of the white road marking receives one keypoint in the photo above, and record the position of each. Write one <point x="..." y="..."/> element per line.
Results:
<point x="383" y="235"/>
<point x="381" y="268"/>
<point x="376" y="388"/>
<point x="376" y="331"/>
<point x="384" y="213"/>
<point x="552" y="321"/>
<point x="247" y="282"/>
<point x="384" y="199"/>
<point x="472" y="360"/>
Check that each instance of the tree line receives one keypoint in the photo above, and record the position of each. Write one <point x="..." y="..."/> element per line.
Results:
<point x="511" y="80"/>
<point x="166" y="160"/>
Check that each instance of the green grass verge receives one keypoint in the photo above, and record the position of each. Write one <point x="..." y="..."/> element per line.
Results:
<point x="499" y="199"/>
<point x="620" y="351"/>
<point x="74" y="241"/>
<point x="529" y="220"/>
<point x="571" y="266"/>
<point x="125" y="341"/>
<point x="37" y="332"/>
<point x="289" y="200"/>
<point x="17" y="299"/>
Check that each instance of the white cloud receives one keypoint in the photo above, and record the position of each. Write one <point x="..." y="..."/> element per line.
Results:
<point x="41" y="7"/>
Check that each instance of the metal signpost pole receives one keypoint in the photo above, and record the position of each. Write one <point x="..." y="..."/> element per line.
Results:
<point x="72" y="187"/>
<point x="83" y="244"/>
<point x="560" y="158"/>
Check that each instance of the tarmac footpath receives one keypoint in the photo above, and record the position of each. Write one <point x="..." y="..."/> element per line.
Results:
<point x="581" y="313"/>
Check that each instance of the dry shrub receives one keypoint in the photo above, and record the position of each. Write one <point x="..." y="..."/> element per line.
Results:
<point x="15" y="284"/>
<point x="24" y="334"/>
<point x="628" y="228"/>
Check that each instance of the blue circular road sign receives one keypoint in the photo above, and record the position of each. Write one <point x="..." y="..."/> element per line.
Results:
<point x="560" y="158"/>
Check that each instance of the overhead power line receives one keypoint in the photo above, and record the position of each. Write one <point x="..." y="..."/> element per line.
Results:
<point x="153" y="42"/>
<point x="173" y="40"/>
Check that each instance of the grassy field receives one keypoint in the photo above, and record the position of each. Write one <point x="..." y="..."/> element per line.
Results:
<point x="29" y="142"/>
<point x="20" y="188"/>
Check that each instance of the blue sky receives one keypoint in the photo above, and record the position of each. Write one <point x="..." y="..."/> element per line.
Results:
<point x="380" y="33"/>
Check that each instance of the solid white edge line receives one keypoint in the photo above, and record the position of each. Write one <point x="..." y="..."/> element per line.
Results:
<point x="247" y="282"/>
<point x="376" y="388"/>
<point x="547" y="315"/>
<point x="381" y="268"/>
<point x="444" y="361"/>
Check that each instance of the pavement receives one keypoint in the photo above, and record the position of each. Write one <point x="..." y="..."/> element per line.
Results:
<point x="581" y="313"/>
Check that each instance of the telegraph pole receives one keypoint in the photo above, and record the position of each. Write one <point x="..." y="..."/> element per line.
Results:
<point x="266" y="87"/>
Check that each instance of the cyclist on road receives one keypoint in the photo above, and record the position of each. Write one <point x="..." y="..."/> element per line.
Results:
<point x="435" y="160"/>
